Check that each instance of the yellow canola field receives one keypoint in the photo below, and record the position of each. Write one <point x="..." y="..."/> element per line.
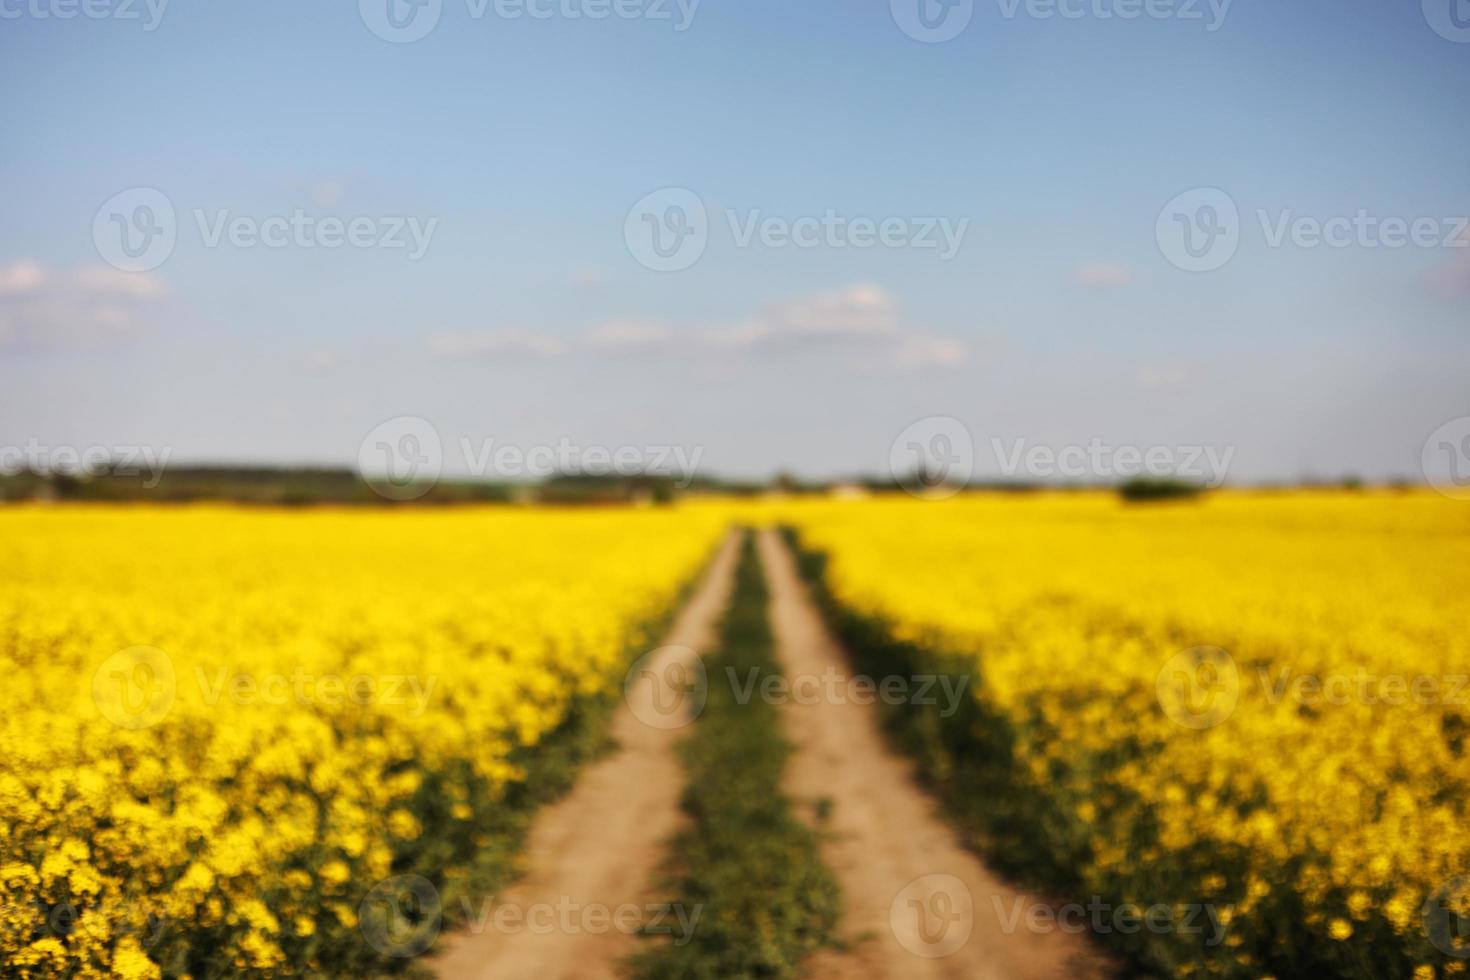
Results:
<point x="1308" y="775"/>
<point x="222" y="725"/>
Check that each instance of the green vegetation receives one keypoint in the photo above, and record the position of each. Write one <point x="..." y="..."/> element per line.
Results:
<point x="746" y="863"/>
<point x="969" y="760"/>
<point x="321" y="486"/>
<point x="1145" y="490"/>
<point x="269" y="486"/>
<point x="951" y="759"/>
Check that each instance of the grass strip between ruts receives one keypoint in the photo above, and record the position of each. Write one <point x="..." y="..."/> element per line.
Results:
<point x="745" y="865"/>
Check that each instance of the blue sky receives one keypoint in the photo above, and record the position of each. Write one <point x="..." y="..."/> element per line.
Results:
<point x="529" y="317"/>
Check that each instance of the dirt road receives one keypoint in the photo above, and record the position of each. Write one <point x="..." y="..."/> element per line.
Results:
<point x="597" y="850"/>
<point x="917" y="904"/>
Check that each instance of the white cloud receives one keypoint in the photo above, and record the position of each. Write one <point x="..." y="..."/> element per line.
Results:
<point x="1450" y="279"/>
<point x="1163" y="375"/>
<point x="328" y="193"/>
<point x="629" y="335"/>
<point x="104" y="280"/>
<point x="41" y="309"/>
<point x="20" y="277"/>
<point x="504" y="342"/>
<point x="322" y="358"/>
<point x="859" y="321"/>
<point x="1102" y="275"/>
<point x="853" y="316"/>
<point x="930" y="352"/>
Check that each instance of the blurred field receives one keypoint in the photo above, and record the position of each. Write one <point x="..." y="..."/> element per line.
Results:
<point x="225" y="724"/>
<point x="1256" y="701"/>
<point x="222" y="726"/>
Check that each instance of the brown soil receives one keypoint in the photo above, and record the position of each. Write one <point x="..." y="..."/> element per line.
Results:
<point x="917" y="903"/>
<point x="600" y="846"/>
